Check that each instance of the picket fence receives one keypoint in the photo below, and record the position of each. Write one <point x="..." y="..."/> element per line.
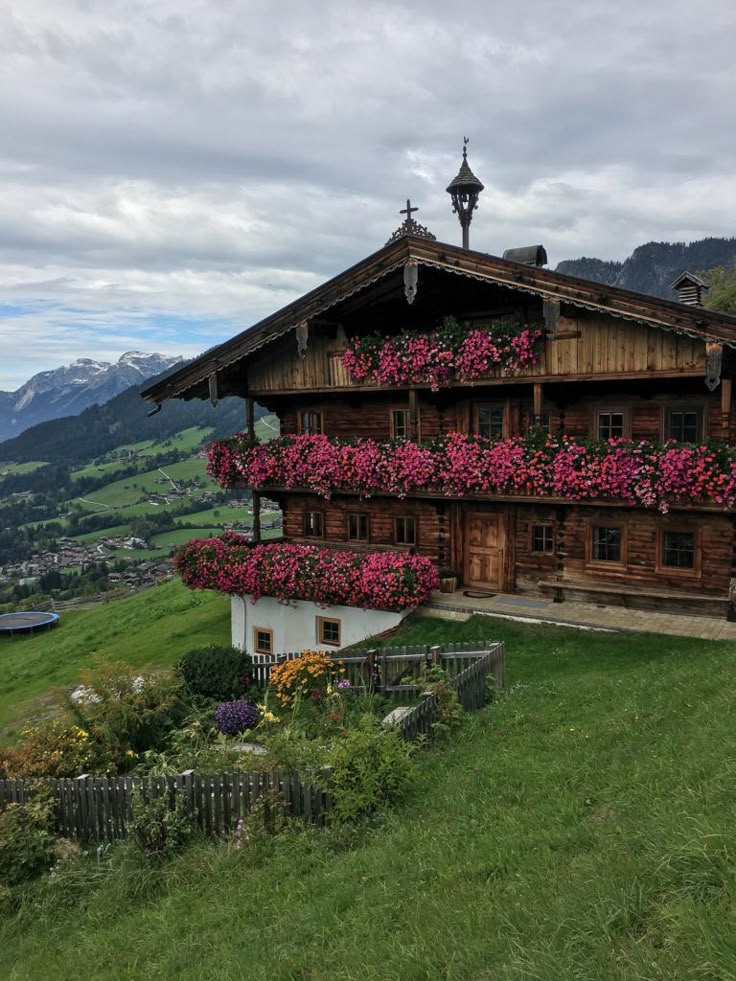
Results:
<point x="100" y="808"/>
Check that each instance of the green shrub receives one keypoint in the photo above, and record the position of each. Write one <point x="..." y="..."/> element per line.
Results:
<point x="222" y="673"/>
<point x="159" y="830"/>
<point x="449" y="711"/>
<point x="26" y="839"/>
<point x="126" y="712"/>
<point x="371" y="769"/>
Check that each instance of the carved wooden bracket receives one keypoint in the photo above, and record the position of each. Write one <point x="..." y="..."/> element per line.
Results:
<point x="302" y="338"/>
<point x="713" y="364"/>
<point x="214" y="396"/>
<point x="551" y="310"/>
<point x="411" y="279"/>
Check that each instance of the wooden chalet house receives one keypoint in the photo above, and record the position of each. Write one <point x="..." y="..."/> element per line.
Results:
<point x="610" y="370"/>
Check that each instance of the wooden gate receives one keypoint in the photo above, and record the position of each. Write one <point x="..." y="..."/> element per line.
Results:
<point x="485" y="541"/>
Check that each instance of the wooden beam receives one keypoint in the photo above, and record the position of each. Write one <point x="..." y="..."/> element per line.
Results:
<point x="250" y="418"/>
<point x="538" y="402"/>
<point x="413" y="414"/>
<point x="256" y="495"/>
<point x="726" y="406"/>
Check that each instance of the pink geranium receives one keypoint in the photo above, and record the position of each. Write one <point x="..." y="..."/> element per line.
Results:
<point x="434" y="357"/>
<point x="460" y="465"/>
<point x="379" y="580"/>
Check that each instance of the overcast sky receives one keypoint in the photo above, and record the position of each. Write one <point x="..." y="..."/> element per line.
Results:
<point x="172" y="171"/>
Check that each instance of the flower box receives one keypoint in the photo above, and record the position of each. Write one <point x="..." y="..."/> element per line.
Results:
<point x="460" y="465"/>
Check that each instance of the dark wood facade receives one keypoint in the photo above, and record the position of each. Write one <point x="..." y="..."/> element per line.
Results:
<point x="611" y="364"/>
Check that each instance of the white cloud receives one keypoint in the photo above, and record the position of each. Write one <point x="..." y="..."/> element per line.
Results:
<point x="211" y="161"/>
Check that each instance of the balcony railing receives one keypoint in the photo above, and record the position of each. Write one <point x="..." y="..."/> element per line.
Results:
<point x="457" y="465"/>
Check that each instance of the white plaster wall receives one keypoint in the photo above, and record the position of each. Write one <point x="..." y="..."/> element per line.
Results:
<point x="295" y="626"/>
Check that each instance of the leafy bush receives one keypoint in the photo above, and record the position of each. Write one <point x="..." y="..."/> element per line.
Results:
<point x="26" y="839"/>
<point x="126" y="712"/>
<point x="371" y="768"/>
<point x="193" y="747"/>
<point x="235" y="717"/>
<point x="57" y="748"/>
<point x="449" y="711"/>
<point x="222" y="673"/>
<point x="159" y="830"/>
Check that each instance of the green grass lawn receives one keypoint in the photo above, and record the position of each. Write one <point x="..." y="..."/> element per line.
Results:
<point x="153" y="628"/>
<point x="579" y="828"/>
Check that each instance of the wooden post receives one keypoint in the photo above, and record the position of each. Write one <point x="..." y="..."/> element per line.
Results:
<point x="413" y="414"/>
<point x="255" y="495"/>
<point x="256" y="534"/>
<point x="726" y="406"/>
<point x="538" y="402"/>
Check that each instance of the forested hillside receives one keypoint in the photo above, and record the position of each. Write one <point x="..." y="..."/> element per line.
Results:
<point x="122" y="420"/>
<point x="651" y="268"/>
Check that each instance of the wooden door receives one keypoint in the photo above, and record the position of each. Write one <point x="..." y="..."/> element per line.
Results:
<point x="485" y="539"/>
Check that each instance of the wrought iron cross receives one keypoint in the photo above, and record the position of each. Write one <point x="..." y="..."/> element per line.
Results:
<point x="408" y="210"/>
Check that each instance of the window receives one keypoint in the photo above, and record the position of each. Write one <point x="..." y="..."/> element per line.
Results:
<point x="539" y="424"/>
<point x="543" y="539"/>
<point x="684" y="425"/>
<point x="611" y="425"/>
<point x="311" y="422"/>
<point x="314" y="524"/>
<point x="607" y="544"/>
<point x="262" y="640"/>
<point x="490" y="421"/>
<point x="678" y="550"/>
<point x="357" y="527"/>
<point x="328" y="631"/>
<point x="399" y="423"/>
<point x="405" y="531"/>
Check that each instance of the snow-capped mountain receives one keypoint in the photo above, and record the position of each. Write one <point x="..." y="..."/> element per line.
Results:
<point x="68" y="390"/>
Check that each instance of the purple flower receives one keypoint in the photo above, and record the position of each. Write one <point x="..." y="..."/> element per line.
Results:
<point x="343" y="683"/>
<point x="234" y="717"/>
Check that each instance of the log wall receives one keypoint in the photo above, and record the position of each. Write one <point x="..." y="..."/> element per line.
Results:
<point x="370" y="416"/>
<point x="440" y="531"/>
<point x="381" y="513"/>
<point x="587" y="345"/>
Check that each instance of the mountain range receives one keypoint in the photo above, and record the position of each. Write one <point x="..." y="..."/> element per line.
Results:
<point x="68" y="390"/>
<point x="652" y="268"/>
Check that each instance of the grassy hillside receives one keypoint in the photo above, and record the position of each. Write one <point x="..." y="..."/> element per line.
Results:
<point x="151" y="628"/>
<point x="186" y="442"/>
<point x="579" y="828"/>
<point x="11" y="468"/>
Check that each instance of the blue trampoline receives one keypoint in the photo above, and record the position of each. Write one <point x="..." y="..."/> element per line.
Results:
<point x="26" y="622"/>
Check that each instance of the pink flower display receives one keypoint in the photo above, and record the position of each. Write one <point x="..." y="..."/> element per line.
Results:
<point x="459" y="465"/>
<point x="376" y="581"/>
<point x="434" y="358"/>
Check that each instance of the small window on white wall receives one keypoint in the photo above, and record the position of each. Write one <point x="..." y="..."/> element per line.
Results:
<point x="328" y="631"/>
<point x="262" y="640"/>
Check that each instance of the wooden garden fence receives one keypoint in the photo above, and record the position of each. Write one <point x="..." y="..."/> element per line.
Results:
<point x="100" y="808"/>
<point x="391" y="670"/>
